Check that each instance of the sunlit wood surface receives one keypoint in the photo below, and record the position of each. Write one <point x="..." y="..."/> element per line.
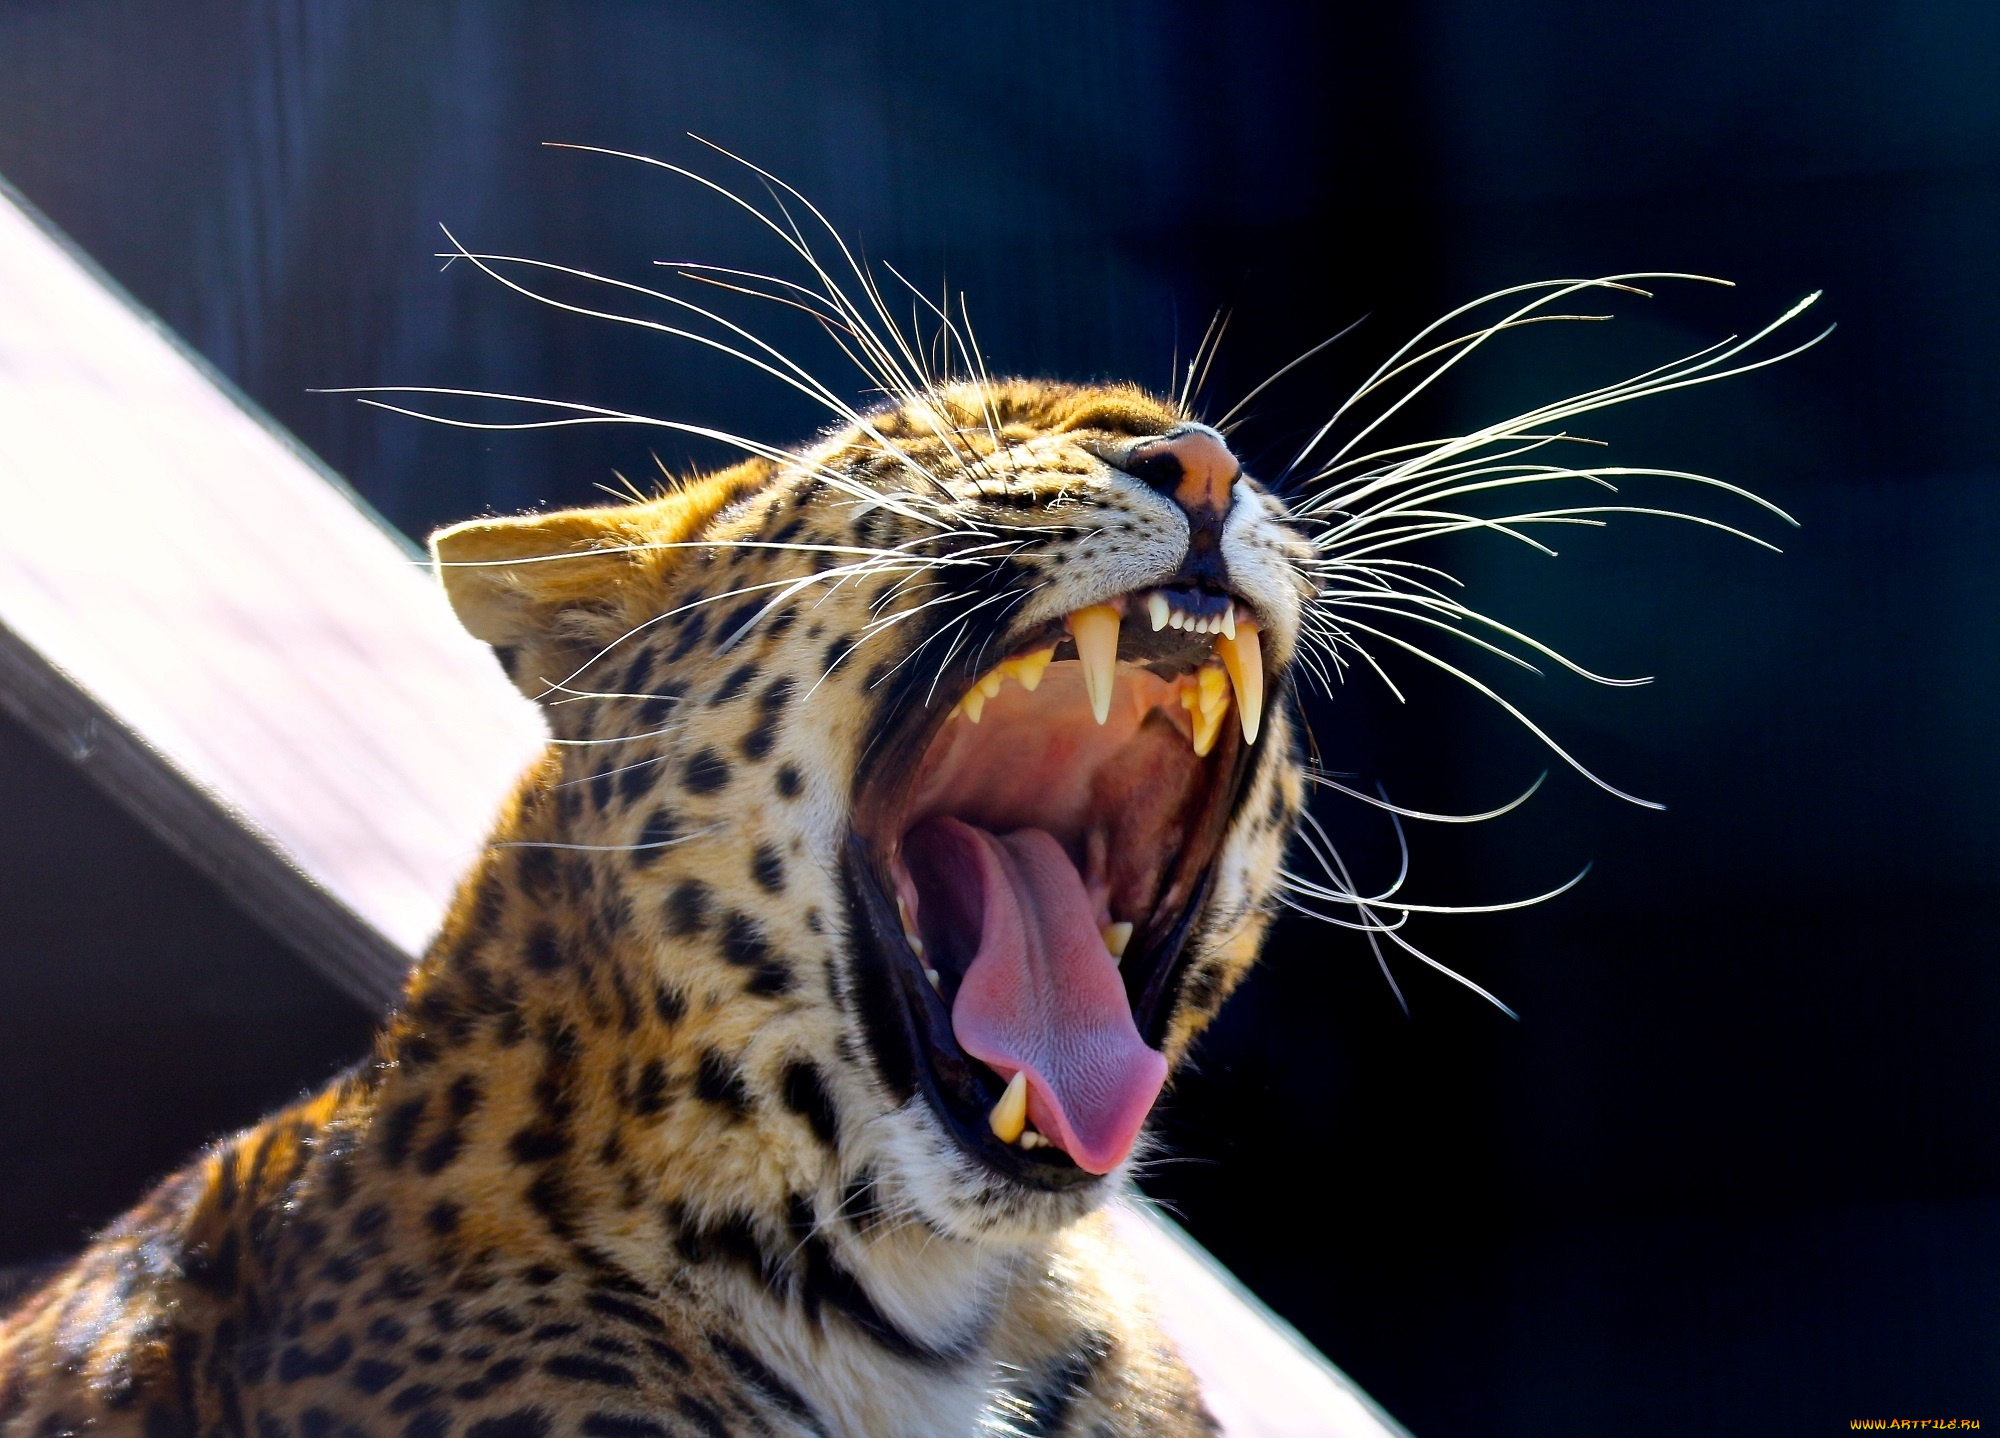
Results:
<point x="208" y="622"/>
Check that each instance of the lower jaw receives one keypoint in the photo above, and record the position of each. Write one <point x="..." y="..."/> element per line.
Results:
<point x="907" y="1027"/>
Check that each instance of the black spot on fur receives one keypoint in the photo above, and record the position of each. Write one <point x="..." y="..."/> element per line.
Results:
<point x="716" y="1081"/>
<point x="744" y="945"/>
<point x="214" y="1267"/>
<point x="635" y="778"/>
<point x="669" y="1004"/>
<point x="663" y="828"/>
<point x="649" y="1093"/>
<point x="399" y="1127"/>
<point x="757" y="743"/>
<point x="431" y="1423"/>
<point x="1057" y="1390"/>
<point x="767" y="869"/>
<point x="706" y="772"/>
<point x="827" y="1285"/>
<point x="687" y="908"/>
<point x="733" y="685"/>
<point x="789" y="783"/>
<point x="542" y="953"/>
<point x="860" y="1202"/>
<point x="692" y="631"/>
<point x="652" y="713"/>
<point x="806" y="1095"/>
<point x="401" y="1283"/>
<point x="521" y="1423"/>
<point x="461" y="1100"/>
<point x="757" y="1374"/>
<point x="443" y="1217"/>
<point x="497" y="1375"/>
<point x="704" y="1418"/>
<point x="372" y="1375"/>
<point x="633" y="680"/>
<point x="298" y="1361"/>
<point x="739" y="620"/>
<point x="837" y="652"/>
<point x="538" y="1143"/>
<point x="626" y="1312"/>
<point x="415" y="1396"/>
<point x="535" y="872"/>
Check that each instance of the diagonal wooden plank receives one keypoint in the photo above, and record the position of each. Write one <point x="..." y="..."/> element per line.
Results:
<point x="205" y="619"/>
<point x="207" y="590"/>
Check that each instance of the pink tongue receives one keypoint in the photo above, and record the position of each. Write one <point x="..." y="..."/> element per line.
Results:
<point x="1043" y="995"/>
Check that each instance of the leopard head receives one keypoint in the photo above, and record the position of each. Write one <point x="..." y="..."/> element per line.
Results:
<point x="931" y="783"/>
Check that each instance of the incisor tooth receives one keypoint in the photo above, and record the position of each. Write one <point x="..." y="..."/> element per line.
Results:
<point x="1096" y="633"/>
<point x="1117" y="936"/>
<point x="1157" y="610"/>
<point x="1010" y="1115"/>
<point x="1031" y="1139"/>
<point x="1243" y="656"/>
<point x="937" y="984"/>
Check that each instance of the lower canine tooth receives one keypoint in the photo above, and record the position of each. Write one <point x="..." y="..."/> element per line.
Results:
<point x="1243" y="656"/>
<point x="1096" y="632"/>
<point x="1010" y="1115"/>
<point x="1206" y="700"/>
<point x="1116" y="937"/>
<point x="1157" y="611"/>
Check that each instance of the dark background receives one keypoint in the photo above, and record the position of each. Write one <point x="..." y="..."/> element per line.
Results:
<point x="1735" y="1169"/>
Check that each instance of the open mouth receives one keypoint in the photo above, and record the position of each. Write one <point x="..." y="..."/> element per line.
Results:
<point x="1030" y="860"/>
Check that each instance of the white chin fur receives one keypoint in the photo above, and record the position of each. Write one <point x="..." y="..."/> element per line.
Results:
<point x="961" y="1198"/>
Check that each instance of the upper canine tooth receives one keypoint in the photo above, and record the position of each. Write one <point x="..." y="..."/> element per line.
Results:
<point x="1157" y="610"/>
<point x="1243" y="656"/>
<point x="1010" y="1115"/>
<point x="1117" y="936"/>
<point x="1096" y="633"/>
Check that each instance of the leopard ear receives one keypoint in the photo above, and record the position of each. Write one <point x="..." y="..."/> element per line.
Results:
<point x="529" y="584"/>
<point x="509" y="578"/>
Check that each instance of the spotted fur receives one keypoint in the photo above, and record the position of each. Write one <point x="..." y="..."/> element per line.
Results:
<point x="636" y="1156"/>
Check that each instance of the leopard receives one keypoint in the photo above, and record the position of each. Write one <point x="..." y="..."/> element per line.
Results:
<point x="911" y="805"/>
<point x="914" y="798"/>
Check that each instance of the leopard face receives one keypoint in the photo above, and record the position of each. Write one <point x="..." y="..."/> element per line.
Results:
<point x="935" y="781"/>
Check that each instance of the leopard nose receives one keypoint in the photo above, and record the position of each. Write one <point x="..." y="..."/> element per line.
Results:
<point x="1193" y="467"/>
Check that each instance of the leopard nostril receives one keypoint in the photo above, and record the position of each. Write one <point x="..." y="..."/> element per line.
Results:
<point x="1194" y="468"/>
